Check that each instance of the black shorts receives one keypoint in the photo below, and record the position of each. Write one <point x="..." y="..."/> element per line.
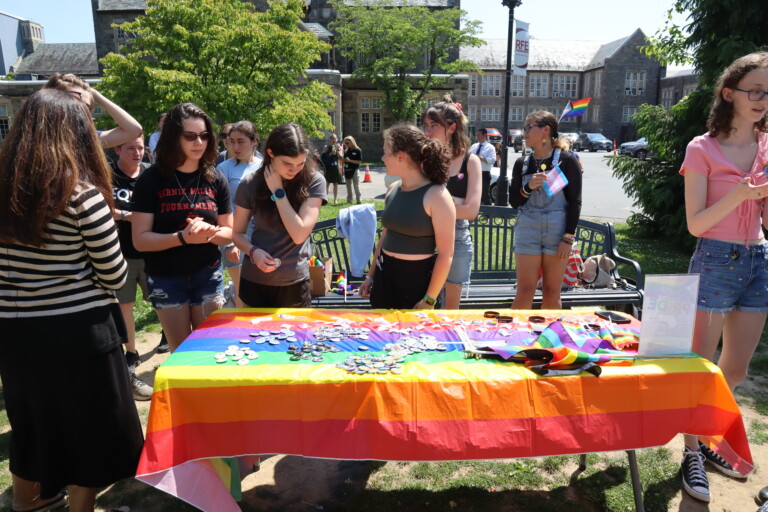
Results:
<point x="401" y="284"/>
<point x="295" y="295"/>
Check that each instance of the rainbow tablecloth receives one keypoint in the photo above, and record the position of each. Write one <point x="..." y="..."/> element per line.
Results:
<point x="441" y="407"/>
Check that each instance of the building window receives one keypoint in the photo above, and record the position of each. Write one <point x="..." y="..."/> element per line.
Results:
<point x="4" y="122"/>
<point x="627" y="113"/>
<point x="365" y="103"/>
<point x="376" y="122"/>
<point x="490" y="114"/>
<point x="688" y="89"/>
<point x="365" y="122"/>
<point x="563" y="86"/>
<point x="472" y="114"/>
<point x="634" y="83"/>
<point x="376" y="103"/>
<point x="518" y="85"/>
<point x="595" y="114"/>
<point x="516" y="114"/>
<point x="586" y="83"/>
<point x="538" y="85"/>
<point x="666" y="97"/>
<point x="491" y="85"/>
<point x="473" y="85"/>
<point x="598" y="79"/>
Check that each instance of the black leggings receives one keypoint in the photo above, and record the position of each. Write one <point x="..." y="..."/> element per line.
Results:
<point x="401" y="284"/>
<point x="296" y="295"/>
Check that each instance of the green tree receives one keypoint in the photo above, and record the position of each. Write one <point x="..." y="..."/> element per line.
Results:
<point x="717" y="33"/>
<point x="231" y="61"/>
<point x="390" y="40"/>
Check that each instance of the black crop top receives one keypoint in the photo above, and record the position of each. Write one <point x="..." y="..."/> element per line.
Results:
<point x="457" y="185"/>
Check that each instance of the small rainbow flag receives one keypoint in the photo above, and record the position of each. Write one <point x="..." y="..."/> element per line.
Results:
<point x="575" y="108"/>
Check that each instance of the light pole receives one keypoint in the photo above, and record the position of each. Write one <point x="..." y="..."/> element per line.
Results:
<point x="502" y="188"/>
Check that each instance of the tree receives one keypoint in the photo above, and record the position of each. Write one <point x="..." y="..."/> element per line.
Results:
<point x="390" y="40"/>
<point x="718" y="32"/>
<point x="231" y="61"/>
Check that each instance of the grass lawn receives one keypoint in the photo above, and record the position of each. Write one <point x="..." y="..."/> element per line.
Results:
<point x="541" y="485"/>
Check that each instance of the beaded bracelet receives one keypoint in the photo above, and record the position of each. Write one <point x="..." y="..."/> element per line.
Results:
<point x="524" y="193"/>
<point x="250" y="253"/>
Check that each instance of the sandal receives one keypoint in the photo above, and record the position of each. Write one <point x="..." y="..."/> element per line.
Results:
<point x="59" y="501"/>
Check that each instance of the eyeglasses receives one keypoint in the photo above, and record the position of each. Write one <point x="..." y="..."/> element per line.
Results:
<point x="192" y="136"/>
<point x="754" y="94"/>
<point x="527" y="127"/>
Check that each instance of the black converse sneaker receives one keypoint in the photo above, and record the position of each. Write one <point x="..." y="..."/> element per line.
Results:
<point x="695" y="480"/>
<point x="718" y="462"/>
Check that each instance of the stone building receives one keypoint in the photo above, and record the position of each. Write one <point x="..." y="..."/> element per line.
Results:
<point x="18" y="38"/>
<point x="616" y="75"/>
<point x="677" y="85"/>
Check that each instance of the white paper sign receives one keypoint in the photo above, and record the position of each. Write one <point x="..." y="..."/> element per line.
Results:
<point x="669" y="312"/>
<point x="521" y="48"/>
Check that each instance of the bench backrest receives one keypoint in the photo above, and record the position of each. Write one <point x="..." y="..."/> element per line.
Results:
<point x="492" y="236"/>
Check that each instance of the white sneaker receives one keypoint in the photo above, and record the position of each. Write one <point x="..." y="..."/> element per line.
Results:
<point x="141" y="390"/>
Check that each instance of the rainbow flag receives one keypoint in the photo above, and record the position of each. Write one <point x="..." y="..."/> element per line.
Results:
<point x="440" y="405"/>
<point x="575" y="108"/>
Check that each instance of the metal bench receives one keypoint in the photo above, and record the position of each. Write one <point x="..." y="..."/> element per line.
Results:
<point x="493" y="271"/>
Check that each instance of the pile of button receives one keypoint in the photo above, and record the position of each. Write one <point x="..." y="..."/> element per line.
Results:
<point x="308" y="350"/>
<point x="407" y="345"/>
<point x="274" y="337"/>
<point x="341" y="331"/>
<point x="368" y="363"/>
<point x="241" y="356"/>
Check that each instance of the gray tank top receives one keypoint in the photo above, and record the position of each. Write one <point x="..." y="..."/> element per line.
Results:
<point x="409" y="228"/>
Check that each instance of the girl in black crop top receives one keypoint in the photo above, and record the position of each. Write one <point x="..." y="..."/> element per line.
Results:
<point x="407" y="274"/>
<point x="445" y="122"/>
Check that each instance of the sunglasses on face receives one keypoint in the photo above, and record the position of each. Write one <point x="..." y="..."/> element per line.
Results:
<point x="192" y="136"/>
<point x="527" y="127"/>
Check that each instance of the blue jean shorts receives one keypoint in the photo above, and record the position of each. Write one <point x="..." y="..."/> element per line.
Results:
<point x="732" y="276"/>
<point x="461" y="267"/>
<point x="201" y="287"/>
<point x="539" y="232"/>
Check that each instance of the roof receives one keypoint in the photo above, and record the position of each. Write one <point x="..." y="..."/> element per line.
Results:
<point x="319" y="30"/>
<point x="49" y="58"/>
<point x="122" y="5"/>
<point x="680" y="72"/>
<point x="416" y="3"/>
<point x="547" y="54"/>
<point x="13" y="16"/>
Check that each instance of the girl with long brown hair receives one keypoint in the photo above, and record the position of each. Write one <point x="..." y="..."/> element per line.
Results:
<point x="65" y="382"/>
<point x="181" y="214"/>
<point x="283" y="198"/>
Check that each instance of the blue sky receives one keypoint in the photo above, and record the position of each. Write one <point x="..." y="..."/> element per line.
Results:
<point x="70" y="21"/>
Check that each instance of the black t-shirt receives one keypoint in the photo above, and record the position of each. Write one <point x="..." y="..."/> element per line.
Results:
<point x="172" y="202"/>
<point x="122" y="191"/>
<point x="353" y="154"/>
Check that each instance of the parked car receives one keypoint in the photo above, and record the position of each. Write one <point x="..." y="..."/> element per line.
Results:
<point x="513" y="134"/>
<point x="637" y="148"/>
<point x="570" y="137"/>
<point x="592" y="142"/>
<point x="494" y="135"/>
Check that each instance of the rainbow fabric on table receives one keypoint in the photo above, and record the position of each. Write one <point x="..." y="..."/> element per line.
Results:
<point x="442" y="406"/>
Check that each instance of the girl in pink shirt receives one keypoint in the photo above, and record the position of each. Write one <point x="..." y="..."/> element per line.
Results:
<point x="725" y="192"/>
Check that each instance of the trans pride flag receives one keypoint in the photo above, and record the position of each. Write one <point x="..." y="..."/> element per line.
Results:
<point x="556" y="181"/>
<point x="575" y="109"/>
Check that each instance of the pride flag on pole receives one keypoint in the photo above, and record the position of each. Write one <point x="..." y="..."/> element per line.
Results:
<point x="575" y="109"/>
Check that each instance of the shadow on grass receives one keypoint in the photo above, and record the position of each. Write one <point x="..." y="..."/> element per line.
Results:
<point x="140" y="496"/>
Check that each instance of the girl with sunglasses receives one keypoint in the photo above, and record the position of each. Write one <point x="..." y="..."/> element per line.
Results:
<point x="283" y="198"/>
<point x="545" y="230"/>
<point x="445" y="122"/>
<point x="181" y="213"/>
<point x="725" y="192"/>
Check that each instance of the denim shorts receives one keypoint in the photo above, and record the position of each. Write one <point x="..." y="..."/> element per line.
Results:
<point x="461" y="267"/>
<point x="539" y="232"/>
<point x="732" y="276"/>
<point x="201" y="287"/>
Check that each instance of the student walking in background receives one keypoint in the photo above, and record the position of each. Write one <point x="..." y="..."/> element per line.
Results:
<point x="545" y="230"/>
<point x="445" y="122"/>
<point x="282" y="200"/>
<point x="413" y="255"/>
<point x="725" y="192"/>
<point x="181" y="214"/>
<point x="486" y="152"/>
<point x="353" y="157"/>
<point x="329" y="157"/>
<point x="66" y="387"/>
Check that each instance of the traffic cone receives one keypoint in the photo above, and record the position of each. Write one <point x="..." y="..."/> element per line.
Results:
<point x="614" y="147"/>
<point x="367" y="178"/>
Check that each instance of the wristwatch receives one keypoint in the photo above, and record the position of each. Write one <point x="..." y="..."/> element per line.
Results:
<point x="279" y="194"/>
<point x="429" y="300"/>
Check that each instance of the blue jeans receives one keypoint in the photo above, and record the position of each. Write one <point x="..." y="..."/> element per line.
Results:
<point x="732" y="276"/>
<point x="202" y="287"/>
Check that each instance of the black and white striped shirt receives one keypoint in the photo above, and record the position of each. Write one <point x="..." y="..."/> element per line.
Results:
<point x="75" y="271"/>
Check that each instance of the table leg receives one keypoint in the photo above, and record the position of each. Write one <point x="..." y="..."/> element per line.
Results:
<point x="582" y="462"/>
<point x="637" y="489"/>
